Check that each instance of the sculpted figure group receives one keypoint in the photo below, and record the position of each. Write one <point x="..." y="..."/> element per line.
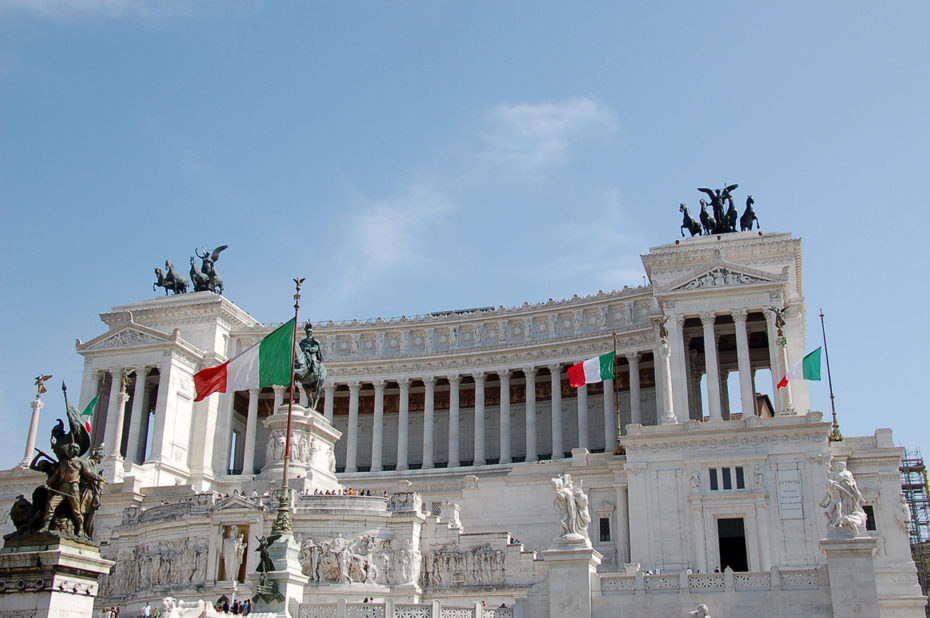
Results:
<point x="66" y="503"/>
<point x="204" y="277"/>
<point x="842" y="500"/>
<point x="362" y="559"/>
<point x="722" y="217"/>
<point x="572" y="504"/>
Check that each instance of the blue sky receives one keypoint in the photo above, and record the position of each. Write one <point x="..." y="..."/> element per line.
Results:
<point x="418" y="156"/>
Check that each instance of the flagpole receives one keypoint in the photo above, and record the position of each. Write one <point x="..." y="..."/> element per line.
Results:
<point x="282" y="524"/>
<point x="835" y="435"/>
<point x="619" y="450"/>
<point x="94" y="415"/>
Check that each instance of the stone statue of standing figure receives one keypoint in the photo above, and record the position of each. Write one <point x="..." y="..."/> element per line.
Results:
<point x="233" y="550"/>
<point x="572" y="505"/>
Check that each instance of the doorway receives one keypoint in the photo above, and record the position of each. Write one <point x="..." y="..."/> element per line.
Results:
<point x="731" y="536"/>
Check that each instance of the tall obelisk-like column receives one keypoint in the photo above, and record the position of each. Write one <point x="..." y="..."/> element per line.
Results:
<point x="37" y="406"/>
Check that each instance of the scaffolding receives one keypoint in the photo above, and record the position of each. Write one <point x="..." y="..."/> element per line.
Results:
<point x="914" y="486"/>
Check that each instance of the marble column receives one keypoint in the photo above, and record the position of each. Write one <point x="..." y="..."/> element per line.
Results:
<point x="555" y="380"/>
<point x="251" y="422"/>
<point x="454" y="381"/>
<point x="329" y="393"/>
<point x="159" y="450"/>
<point x="121" y="399"/>
<point x="37" y="406"/>
<point x="279" y="392"/>
<point x="352" y="440"/>
<point x="377" y="428"/>
<point x="135" y="420"/>
<point x="747" y="395"/>
<point x="583" y="417"/>
<point x="610" y="417"/>
<point x="678" y="362"/>
<point x="479" y="458"/>
<point x="725" y="393"/>
<point x="429" y="394"/>
<point x="403" y="423"/>
<point x="712" y="368"/>
<point x="668" y="415"/>
<point x="114" y="414"/>
<point x="530" y="423"/>
<point x="636" y="413"/>
<point x="505" y="416"/>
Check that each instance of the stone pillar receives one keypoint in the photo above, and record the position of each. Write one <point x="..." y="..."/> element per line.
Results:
<point x="121" y="399"/>
<point x="429" y="395"/>
<point x="37" y="406"/>
<point x="109" y="432"/>
<point x="555" y="379"/>
<point x="787" y="403"/>
<point x="571" y="575"/>
<point x="352" y="440"/>
<point x="725" y="393"/>
<point x="454" y="381"/>
<point x="583" y="417"/>
<point x="159" y="448"/>
<point x="251" y="420"/>
<point x="712" y="368"/>
<point x="403" y="426"/>
<point x="636" y="413"/>
<point x="479" y="457"/>
<point x="678" y="373"/>
<point x="622" y="536"/>
<point x="774" y="360"/>
<point x="668" y="415"/>
<point x="505" y="416"/>
<point x="610" y="417"/>
<point x="135" y="420"/>
<point x="763" y="529"/>
<point x="530" y="423"/>
<point x="329" y="392"/>
<point x="747" y="395"/>
<point x="279" y="391"/>
<point x="853" y="591"/>
<point x="377" y="433"/>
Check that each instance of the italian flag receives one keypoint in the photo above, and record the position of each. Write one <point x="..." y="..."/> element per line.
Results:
<point x="265" y="364"/>
<point x="88" y="412"/>
<point x="807" y="368"/>
<point x="592" y="370"/>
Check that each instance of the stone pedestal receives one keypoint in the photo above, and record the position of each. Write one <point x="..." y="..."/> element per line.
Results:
<point x="43" y="575"/>
<point x="287" y="578"/>
<point x="312" y="440"/>
<point x="572" y="570"/>
<point x="852" y="575"/>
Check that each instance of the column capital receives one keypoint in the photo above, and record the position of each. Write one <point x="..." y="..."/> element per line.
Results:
<point x="353" y="386"/>
<point x="479" y="377"/>
<point x="503" y="373"/>
<point x="455" y="379"/>
<point x="254" y="391"/>
<point x="378" y="384"/>
<point x="280" y="388"/>
<point x="554" y="368"/>
<point x="678" y="319"/>
<point x="141" y="369"/>
<point x="708" y="318"/>
<point x="633" y="357"/>
<point x="328" y="387"/>
<point x="429" y="380"/>
<point x="403" y="382"/>
<point x="37" y="404"/>
<point x="529" y="371"/>
<point x="739" y="315"/>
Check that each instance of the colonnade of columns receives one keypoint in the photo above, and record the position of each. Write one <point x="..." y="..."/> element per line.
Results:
<point x="505" y="436"/>
<point x="108" y="424"/>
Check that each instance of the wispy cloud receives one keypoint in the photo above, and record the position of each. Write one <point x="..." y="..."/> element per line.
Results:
<point x="63" y="10"/>
<point x="393" y="233"/>
<point x="526" y="137"/>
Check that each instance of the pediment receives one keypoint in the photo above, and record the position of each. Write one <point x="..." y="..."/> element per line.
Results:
<point x="128" y="336"/>
<point x="722" y="274"/>
<point x="236" y="503"/>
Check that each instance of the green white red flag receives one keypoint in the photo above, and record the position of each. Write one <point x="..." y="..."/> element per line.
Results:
<point x="88" y="413"/>
<point x="593" y="370"/>
<point x="267" y="363"/>
<point x="807" y="368"/>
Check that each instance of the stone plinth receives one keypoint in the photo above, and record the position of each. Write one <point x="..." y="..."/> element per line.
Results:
<point x="572" y="569"/>
<point x="44" y="575"/>
<point x="852" y="575"/>
<point x="287" y="579"/>
<point x="312" y="439"/>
